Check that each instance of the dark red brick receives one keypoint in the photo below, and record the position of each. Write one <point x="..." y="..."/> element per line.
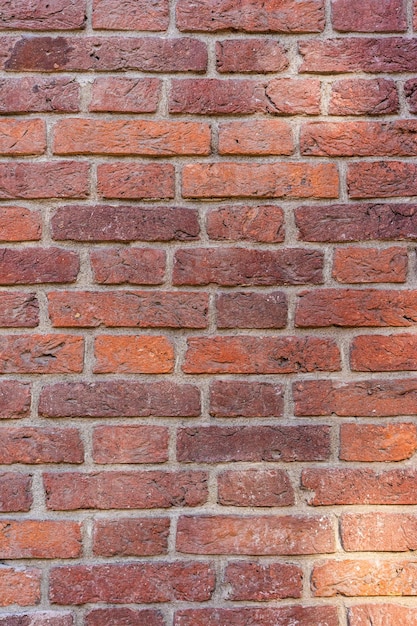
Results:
<point x="34" y="94"/>
<point x="134" y="266"/>
<point x="370" y="16"/>
<point x="131" y="536"/>
<point x="125" y="617"/>
<point x="33" y="445"/>
<point x="14" y="399"/>
<point x="249" y="309"/>
<point x="253" y="581"/>
<point x="263" y="487"/>
<point x="262" y="223"/>
<point x="15" y="493"/>
<point x="245" y="399"/>
<point x="283" y="616"/>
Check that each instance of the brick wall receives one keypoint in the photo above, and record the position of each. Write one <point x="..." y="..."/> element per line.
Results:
<point x="207" y="311"/>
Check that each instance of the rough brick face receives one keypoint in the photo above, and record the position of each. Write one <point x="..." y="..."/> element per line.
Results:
<point x="208" y="392"/>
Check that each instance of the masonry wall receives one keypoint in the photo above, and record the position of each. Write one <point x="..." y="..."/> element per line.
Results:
<point x="208" y="312"/>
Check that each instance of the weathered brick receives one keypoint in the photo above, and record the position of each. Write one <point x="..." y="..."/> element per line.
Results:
<point x="51" y="15"/>
<point x="370" y="265"/>
<point x="266" y="535"/>
<point x="262" y="223"/>
<point x="135" y="266"/>
<point x="250" y="55"/>
<point x="360" y="486"/>
<point x="230" y="398"/>
<point x="366" y="398"/>
<point x="133" y="355"/>
<point x="33" y="445"/>
<point x="139" y="309"/>
<point x="118" y="398"/>
<point x="283" y="17"/>
<point x="42" y="180"/>
<point x="219" y="444"/>
<point x="364" y="578"/>
<point x="22" y="137"/>
<point x="130" y="444"/>
<point x="68" y="491"/>
<point x="253" y="581"/>
<point x="241" y="267"/>
<point x="132" y="15"/>
<point x="125" y="616"/>
<point x="18" y="309"/>
<point x="19" y="224"/>
<point x="383" y="179"/>
<point x="149" y="181"/>
<point x="266" y="487"/>
<point x="34" y="94"/>
<point x="289" y="96"/>
<point x="378" y="532"/>
<point x="250" y="309"/>
<point x="41" y="354"/>
<point x="124" y="223"/>
<point x="43" y="618"/>
<point x="39" y="539"/>
<point x="382" y="353"/>
<point x="37" y="265"/>
<point x="132" y="583"/>
<point x="131" y="536"/>
<point x="130" y="137"/>
<point x="380" y="614"/>
<point x="372" y="16"/>
<point x="261" y="180"/>
<point x="125" y="95"/>
<point x="260" y="355"/>
<point x="256" y="137"/>
<point x="410" y="90"/>
<point x="20" y="586"/>
<point x="368" y="442"/>
<point x="361" y="96"/>
<point x="102" y="54"/>
<point x="15" y="493"/>
<point x="356" y="307"/>
<point x="283" y="616"/>
<point x="14" y="399"/>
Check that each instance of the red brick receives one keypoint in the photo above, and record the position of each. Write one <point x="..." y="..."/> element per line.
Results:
<point x="125" y="95"/>
<point x="357" y="222"/>
<point x="42" y="180"/>
<point x="125" y="616"/>
<point x="361" y="96"/>
<point x="40" y="445"/>
<point x="266" y="535"/>
<point x="18" y="309"/>
<point x="283" y="616"/>
<point x="370" y="16"/>
<point x="256" y="137"/>
<point x="20" y="586"/>
<point x="261" y="180"/>
<point x="131" y="536"/>
<point x="15" y="494"/>
<point x="253" y="581"/>
<point x="102" y="54"/>
<point x="410" y="90"/>
<point x="229" y="398"/>
<point x="354" y="54"/>
<point x="368" y="442"/>
<point x="130" y="444"/>
<point x="370" y="265"/>
<point x="132" y="355"/>
<point x="124" y="223"/>
<point x="44" y="618"/>
<point x="22" y="137"/>
<point x="262" y="223"/>
<point x="14" y="399"/>
<point x="360" y="486"/>
<point x="131" y="137"/>
<point x="378" y="532"/>
<point x="366" y="398"/>
<point x="289" y="96"/>
<point x="264" y="487"/>
<point x="359" y="138"/>
<point x="219" y="444"/>
<point x="260" y="355"/>
<point x="34" y="94"/>
<point x="41" y="354"/>
<point x="250" y="309"/>
<point x="52" y="15"/>
<point x="211" y="96"/>
<point x="19" y="224"/>
<point x="356" y="307"/>
<point x="240" y="267"/>
<point x="383" y="179"/>
<point x="149" y="181"/>
<point x="119" y="398"/>
<point x="250" y="55"/>
<point x="283" y="17"/>
<point x="364" y="578"/>
<point x="38" y="265"/>
<point x="380" y="614"/>
<point x="39" y="539"/>
<point x="135" y="266"/>
<point x="132" y="15"/>
<point x="68" y="491"/>
<point x="137" y="309"/>
<point x="132" y="583"/>
<point x="381" y="353"/>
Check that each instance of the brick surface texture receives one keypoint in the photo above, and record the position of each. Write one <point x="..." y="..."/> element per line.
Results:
<point x="208" y="312"/>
